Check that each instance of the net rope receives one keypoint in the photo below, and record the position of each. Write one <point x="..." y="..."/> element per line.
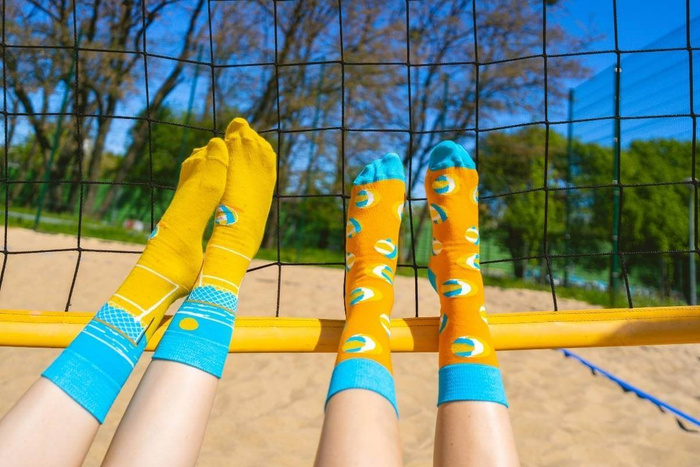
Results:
<point x="412" y="131"/>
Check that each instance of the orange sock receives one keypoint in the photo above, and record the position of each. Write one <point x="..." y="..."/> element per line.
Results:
<point x="374" y="218"/>
<point x="468" y="364"/>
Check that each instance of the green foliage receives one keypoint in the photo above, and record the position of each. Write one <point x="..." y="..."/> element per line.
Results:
<point x="515" y="163"/>
<point x="170" y="146"/>
<point x="652" y="218"/>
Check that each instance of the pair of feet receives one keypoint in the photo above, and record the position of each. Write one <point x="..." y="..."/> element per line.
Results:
<point x="374" y="220"/>
<point x="236" y="175"/>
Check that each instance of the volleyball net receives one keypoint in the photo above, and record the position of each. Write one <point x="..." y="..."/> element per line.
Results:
<point x="587" y="193"/>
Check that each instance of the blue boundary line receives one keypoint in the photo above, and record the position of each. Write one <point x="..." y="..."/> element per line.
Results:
<point x="641" y="394"/>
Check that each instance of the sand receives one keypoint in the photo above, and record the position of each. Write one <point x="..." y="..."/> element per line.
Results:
<point x="269" y="408"/>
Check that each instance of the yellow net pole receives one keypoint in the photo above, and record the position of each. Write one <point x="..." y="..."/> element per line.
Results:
<point x="511" y="331"/>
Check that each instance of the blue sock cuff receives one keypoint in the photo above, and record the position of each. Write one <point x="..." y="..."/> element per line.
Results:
<point x="387" y="168"/>
<point x="85" y="382"/>
<point x="362" y="373"/>
<point x="192" y="350"/>
<point x="200" y="333"/>
<point x="471" y="382"/>
<point x="450" y="154"/>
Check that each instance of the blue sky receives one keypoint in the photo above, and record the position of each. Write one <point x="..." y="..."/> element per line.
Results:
<point x="640" y="22"/>
<point x="654" y="83"/>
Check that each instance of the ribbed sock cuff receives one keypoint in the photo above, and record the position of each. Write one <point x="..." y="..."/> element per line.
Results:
<point x="195" y="351"/>
<point x="362" y="373"/>
<point x="471" y="382"/>
<point x="84" y="382"/>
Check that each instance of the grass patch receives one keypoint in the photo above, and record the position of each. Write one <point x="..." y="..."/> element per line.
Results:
<point x="94" y="229"/>
<point x="305" y="255"/>
<point x="592" y="296"/>
<point x="104" y="232"/>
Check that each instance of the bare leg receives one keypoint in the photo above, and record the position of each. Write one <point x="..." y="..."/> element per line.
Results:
<point x="172" y="400"/>
<point x="361" y="425"/>
<point x="360" y="428"/>
<point x="473" y="426"/>
<point x="474" y="433"/>
<point x="55" y="422"/>
<point x="46" y="424"/>
<point x="167" y="417"/>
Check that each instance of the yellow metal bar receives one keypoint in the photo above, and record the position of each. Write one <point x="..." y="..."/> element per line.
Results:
<point x="511" y="331"/>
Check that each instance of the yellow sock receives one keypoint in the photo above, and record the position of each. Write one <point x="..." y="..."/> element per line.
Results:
<point x="374" y="218"/>
<point x="169" y="265"/>
<point x="200" y="332"/>
<point x="95" y="366"/>
<point x="242" y="213"/>
<point x="468" y="363"/>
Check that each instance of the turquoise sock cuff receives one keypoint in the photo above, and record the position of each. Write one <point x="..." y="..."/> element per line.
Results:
<point x="95" y="366"/>
<point x="450" y="154"/>
<point x="387" y="168"/>
<point x="200" y="333"/>
<point x="192" y="350"/>
<point x="471" y="382"/>
<point x="362" y="373"/>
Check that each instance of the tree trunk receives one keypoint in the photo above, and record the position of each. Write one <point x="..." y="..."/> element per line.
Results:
<point x="93" y="172"/>
<point x="419" y="224"/>
<point x="141" y="130"/>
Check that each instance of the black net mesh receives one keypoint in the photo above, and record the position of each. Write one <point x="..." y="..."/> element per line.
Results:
<point x="102" y="102"/>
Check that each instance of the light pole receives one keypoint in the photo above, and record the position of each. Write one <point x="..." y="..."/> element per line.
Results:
<point x="691" y="244"/>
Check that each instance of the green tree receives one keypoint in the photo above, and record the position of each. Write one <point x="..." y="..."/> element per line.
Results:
<point x="653" y="217"/>
<point x="512" y="168"/>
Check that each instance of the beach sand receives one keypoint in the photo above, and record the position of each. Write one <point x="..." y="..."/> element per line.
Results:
<point x="269" y="407"/>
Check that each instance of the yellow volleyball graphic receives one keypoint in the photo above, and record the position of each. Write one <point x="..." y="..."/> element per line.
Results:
<point x="385" y="321"/>
<point x="365" y="199"/>
<point x="472" y="235"/>
<point x="399" y="210"/>
<point x="482" y="313"/>
<point x="155" y="232"/>
<point x="454" y="288"/>
<point x="437" y="214"/>
<point x="353" y="227"/>
<point x="225" y="215"/>
<point x="387" y="248"/>
<point x="433" y="280"/>
<point x="349" y="261"/>
<point x="469" y="347"/>
<point x="188" y="324"/>
<point x="470" y="262"/>
<point x="384" y="272"/>
<point x="360" y="343"/>
<point x="443" y="323"/>
<point x="437" y="246"/>
<point x="363" y="294"/>
<point x="443" y="185"/>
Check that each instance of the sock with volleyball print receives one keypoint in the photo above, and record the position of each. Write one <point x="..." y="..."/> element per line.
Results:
<point x="468" y="364"/>
<point x="200" y="332"/>
<point x="374" y="219"/>
<point x="95" y="366"/>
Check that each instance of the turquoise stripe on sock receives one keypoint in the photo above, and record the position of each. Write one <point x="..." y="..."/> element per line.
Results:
<point x="471" y="382"/>
<point x="362" y="373"/>
<point x="95" y="366"/>
<point x="206" y="346"/>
